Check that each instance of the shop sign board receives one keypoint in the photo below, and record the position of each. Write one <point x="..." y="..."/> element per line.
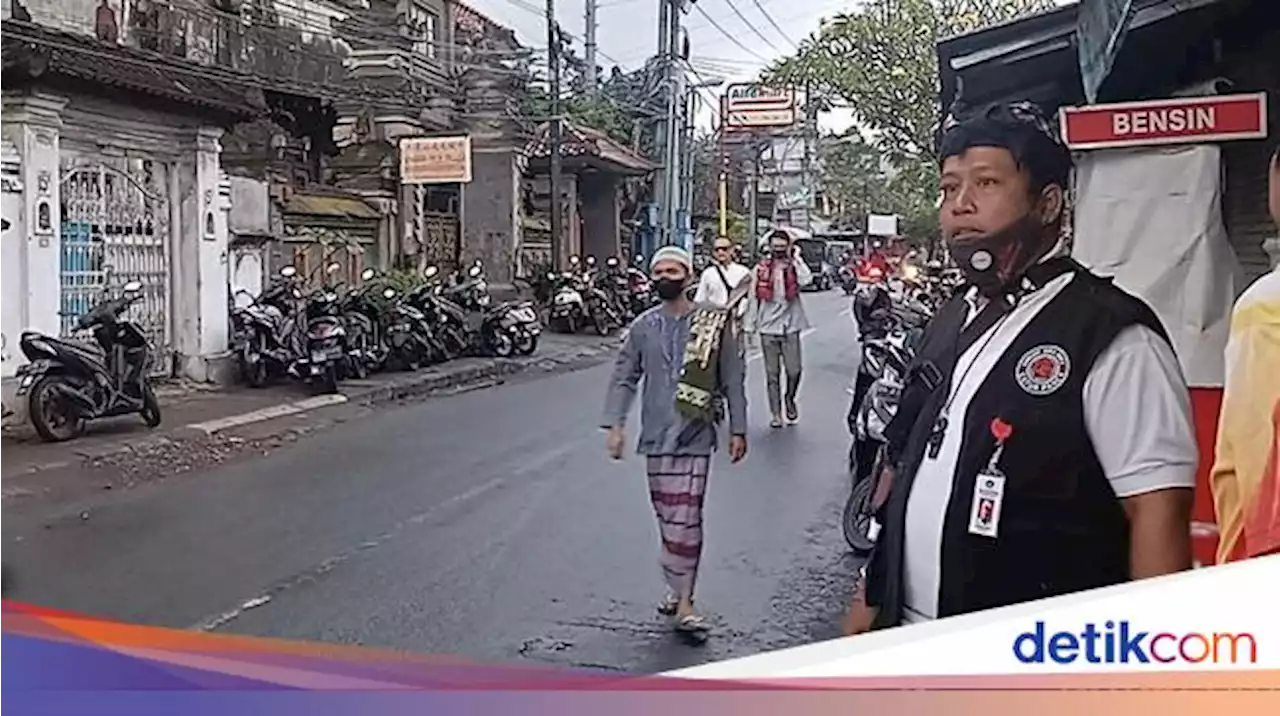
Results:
<point x="748" y="106"/>
<point x="1184" y="120"/>
<point x="435" y="160"/>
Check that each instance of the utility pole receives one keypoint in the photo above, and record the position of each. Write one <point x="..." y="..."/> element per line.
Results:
<point x="754" y="187"/>
<point x="674" y="90"/>
<point x="553" y="64"/>
<point x="810" y="125"/>
<point x="590" y="43"/>
<point x="660" y="134"/>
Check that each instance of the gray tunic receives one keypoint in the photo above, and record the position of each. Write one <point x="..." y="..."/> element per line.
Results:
<point x="654" y="350"/>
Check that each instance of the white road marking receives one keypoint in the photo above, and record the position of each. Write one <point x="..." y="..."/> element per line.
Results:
<point x="269" y="413"/>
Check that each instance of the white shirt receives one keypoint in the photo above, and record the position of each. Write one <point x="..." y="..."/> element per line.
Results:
<point x="712" y="290"/>
<point x="1136" y="409"/>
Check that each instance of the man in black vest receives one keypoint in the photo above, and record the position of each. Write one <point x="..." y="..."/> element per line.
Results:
<point x="1044" y="444"/>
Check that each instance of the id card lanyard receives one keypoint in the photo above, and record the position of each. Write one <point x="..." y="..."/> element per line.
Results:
<point x="939" y="430"/>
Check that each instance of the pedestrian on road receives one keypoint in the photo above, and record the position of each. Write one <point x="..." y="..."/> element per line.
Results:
<point x="1043" y="444"/>
<point x="777" y="315"/>
<point x="1246" y="470"/>
<point x="677" y="448"/>
<point x="722" y="276"/>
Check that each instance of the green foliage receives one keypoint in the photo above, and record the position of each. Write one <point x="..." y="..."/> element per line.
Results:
<point x="880" y="61"/>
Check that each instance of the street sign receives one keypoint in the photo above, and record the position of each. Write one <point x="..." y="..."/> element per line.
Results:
<point x="753" y="105"/>
<point x="882" y="224"/>
<point x="1166" y="121"/>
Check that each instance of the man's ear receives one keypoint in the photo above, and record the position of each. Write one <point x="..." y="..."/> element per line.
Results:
<point x="1050" y="206"/>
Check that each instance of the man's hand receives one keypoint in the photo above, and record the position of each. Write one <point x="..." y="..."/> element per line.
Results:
<point x="737" y="448"/>
<point x="614" y="440"/>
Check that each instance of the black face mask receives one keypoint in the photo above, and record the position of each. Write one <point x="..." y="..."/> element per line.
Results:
<point x="781" y="253"/>
<point x="669" y="289"/>
<point x="993" y="261"/>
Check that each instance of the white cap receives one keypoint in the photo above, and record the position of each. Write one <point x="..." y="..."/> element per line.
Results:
<point x="671" y="253"/>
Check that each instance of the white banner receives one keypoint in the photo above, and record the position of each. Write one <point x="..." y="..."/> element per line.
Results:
<point x="1152" y="218"/>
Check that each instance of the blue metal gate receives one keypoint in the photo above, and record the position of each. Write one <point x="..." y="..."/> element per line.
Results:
<point x="115" y="229"/>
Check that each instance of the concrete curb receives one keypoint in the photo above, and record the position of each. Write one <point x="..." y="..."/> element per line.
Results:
<point x="464" y="373"/>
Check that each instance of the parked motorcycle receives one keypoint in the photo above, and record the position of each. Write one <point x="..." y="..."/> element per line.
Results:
<point x="890" y="330"/>
<point x="263" y="333"/>
<point x="366" y="341"/>
<point x="501" y="330"/>
<point x="69" y="382"/>
<point x="451" y="335"/>
<point x="326" y="357"/>
<point x="411" y="343"/>
<point x="568" y="312"/>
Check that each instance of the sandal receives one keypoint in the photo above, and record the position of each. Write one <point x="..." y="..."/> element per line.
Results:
<point x="669" y="605"/>
<point x="692" y="624"/>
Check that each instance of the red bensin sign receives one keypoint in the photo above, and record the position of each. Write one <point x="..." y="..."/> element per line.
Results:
<point x="1166" y="121"/>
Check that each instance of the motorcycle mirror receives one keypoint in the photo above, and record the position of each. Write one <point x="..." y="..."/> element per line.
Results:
<point x="367" y="274"/>
<point x="333" y="267"/>
<point x="389" y="293"/>
<point x="133" y="287"/>
<point x="288" y="272"/>
<point x="431" y="270"/>
<point x="475" y="271"/>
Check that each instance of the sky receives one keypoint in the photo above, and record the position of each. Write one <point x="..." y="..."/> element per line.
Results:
<point x="627" y="31"/>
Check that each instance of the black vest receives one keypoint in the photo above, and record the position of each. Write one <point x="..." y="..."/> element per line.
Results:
<point x="1061" y="528"/>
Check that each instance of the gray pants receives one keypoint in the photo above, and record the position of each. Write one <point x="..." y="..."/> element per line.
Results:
<point x="781" y="351"/>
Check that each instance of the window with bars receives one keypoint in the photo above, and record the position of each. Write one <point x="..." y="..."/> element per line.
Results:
<point x="424" y="27"/>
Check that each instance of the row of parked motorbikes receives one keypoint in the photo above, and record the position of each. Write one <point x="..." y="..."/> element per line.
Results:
<point x="588" y="296"/>
<point x="332" y="332"/>
<point x="890" y="316"/>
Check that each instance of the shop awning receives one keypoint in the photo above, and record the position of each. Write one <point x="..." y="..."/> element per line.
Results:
<point x="339" y="207"/>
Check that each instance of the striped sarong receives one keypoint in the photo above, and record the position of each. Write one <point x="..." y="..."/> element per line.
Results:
<point x="677" y="485"/>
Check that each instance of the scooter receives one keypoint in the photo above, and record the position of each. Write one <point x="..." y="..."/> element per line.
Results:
<point x="69" y="382"/>
<point x="326" y="355"/>
<point x="262" y="332"/>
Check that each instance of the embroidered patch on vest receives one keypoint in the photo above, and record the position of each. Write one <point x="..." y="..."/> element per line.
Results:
<point x="1043" y="369"/>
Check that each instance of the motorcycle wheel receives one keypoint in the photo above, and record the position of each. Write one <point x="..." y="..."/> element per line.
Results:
<point x="857" y="518"/>
<point x="150" y="407"/>
<point x="356" y="365"/>
<point x="328" y="383"/>
<point x="54" y="419"/>
<point x="502" y="344"/>
<point x="526" y="344"/>
<point x="254" y="371"/>
<point x="602" y="324"/>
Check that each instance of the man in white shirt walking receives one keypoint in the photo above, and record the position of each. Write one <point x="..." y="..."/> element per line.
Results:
<point x="722" y="276"/>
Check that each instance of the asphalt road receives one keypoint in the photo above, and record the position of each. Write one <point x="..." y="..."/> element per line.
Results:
<point x="488" y="524"/>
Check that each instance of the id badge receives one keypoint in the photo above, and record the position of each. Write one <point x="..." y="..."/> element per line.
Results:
<point x="988" y="497"/>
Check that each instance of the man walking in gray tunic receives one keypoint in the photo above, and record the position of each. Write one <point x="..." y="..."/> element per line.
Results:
<point x="777" y="314"/>
<point x="677" y="448"/>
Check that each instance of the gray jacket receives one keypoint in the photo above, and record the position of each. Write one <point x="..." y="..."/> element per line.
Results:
<point x="654" y="350"/>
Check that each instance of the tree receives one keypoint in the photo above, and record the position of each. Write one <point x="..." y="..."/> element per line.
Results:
<point x="880" y="61"/>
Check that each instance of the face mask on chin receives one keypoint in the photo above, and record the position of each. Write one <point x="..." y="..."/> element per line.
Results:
<point x="994" y="261"/>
